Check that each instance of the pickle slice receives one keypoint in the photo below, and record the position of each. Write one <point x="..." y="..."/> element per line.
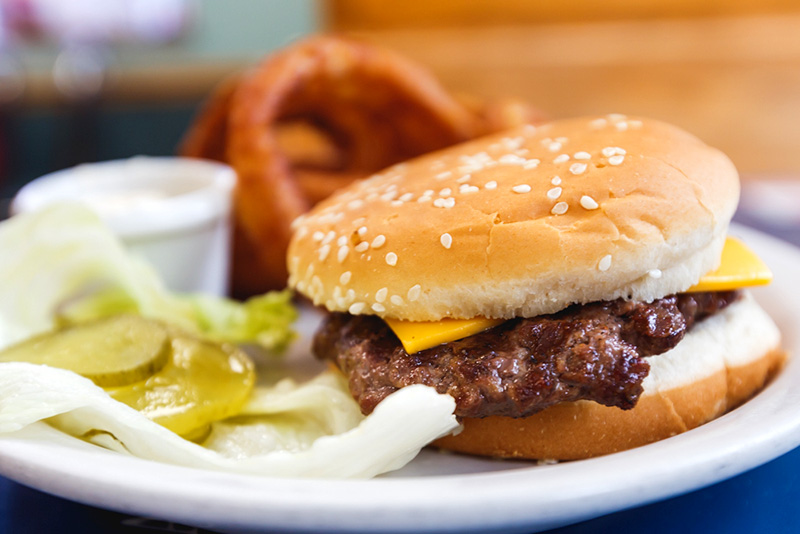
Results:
<point x="202" y="382"/>
<point x="115" y="351"/>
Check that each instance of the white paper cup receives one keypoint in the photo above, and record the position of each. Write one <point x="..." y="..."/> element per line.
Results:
<point x="173" y="212"/>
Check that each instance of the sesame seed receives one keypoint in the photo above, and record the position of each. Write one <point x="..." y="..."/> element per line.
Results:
<point x="405" y="197"/>
<point x="589" y="203"/>
<point x="355" y="204"/>
<point x="396" y="203"/>
<point x="464" y="179"/>
<point x="443" y="175"/>
<point x="616" y="160"/>
<point x="521" y="188"/>
<point x="342" y="254"/>
<point x="345" y="278"/>
<point x="350" y="295"/>
<point x="511" y="159"/>
<point x="635" y="124"/>
<point x="362" y="247"/>
<point x="379" y="308"/>
<point x="298" y="221"/>
<point x="621" y="126"/>
<point x="469" y="189"/>
<point x="577" y="168"/>
<point x="598" y="123"/>
<point x="389" y="196"/>
<point x="391" y="259"/>
<point x="446" y="240"/>
<point x="342" y="240"/>
<point x="397" y="300"/>
<point x="560" y="208"/>
<point x="556" y="180"/>
<point x="531" y="164"/>
<point x="616" y="116"/>
<point x="444" y="202"/>
<point x="555" y="146"/>
<point x="378" y="241"/>
<point x="414" y="292"/>
<point x="361" y="231"/>
<point x="323" y="252"/>
<point x="562" y="158"/>
<point x="554" y="193"/>
<point x="512" y="143"/>
<point x="605" y="263"/>
<point x="329" y="237"/>
<point x="446" y="192"/>
<point x="612" y="150"/>
<point x="356" y="308"/>
<point x="654" y="273"/>
<point x="491" y="185"/>
<point x="582" y="155"/>
<point x="380" y="295"/>
<point x="318" y="236"/>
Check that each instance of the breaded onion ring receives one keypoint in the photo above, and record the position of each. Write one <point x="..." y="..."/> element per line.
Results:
<point x="373" y="107"/>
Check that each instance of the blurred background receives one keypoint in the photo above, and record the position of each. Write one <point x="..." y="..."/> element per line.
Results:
<point x="90" y="80"/>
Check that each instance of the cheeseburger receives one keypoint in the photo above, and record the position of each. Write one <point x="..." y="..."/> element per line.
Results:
<point x="572" y="286"/>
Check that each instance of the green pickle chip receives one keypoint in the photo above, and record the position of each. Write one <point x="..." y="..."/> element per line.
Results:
<point x="115" y="351"/>
<point x="202" y="382"/>
<point x="175" y="379"/>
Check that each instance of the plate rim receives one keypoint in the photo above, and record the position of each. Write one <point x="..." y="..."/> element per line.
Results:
<point x="363" y="505"/>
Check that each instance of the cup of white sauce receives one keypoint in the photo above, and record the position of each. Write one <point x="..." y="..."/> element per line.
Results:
<point x="173" y="212"/>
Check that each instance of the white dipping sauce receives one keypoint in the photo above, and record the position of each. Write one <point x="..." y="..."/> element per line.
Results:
<point x="173" y="212"/>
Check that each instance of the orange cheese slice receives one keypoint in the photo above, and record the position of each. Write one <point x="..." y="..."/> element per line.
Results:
<point x="739" y="267"/>
<point x="417" y="336"/>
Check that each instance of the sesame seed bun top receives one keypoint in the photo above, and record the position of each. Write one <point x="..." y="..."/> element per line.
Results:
<point x="522" y="223"/>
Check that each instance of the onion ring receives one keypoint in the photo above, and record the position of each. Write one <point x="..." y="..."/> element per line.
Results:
<point x="373" y="107"/>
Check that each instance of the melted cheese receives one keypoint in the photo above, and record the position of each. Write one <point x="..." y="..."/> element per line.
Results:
<point x="739" y="267"/>
<point x="417" y="336"/>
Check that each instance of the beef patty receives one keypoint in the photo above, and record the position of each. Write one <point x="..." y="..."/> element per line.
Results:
<point x="594" y="351"/>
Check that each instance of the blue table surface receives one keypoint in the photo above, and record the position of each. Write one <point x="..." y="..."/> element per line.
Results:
<point x="763" y="500"/>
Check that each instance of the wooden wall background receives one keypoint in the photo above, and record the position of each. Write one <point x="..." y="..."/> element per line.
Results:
<point x="727" y="70"/>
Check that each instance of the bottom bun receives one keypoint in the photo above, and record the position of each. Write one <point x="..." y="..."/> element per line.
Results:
<point x="723" y="361"/>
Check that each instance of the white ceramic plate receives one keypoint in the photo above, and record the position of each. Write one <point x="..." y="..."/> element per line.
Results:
<point x="441" y="492"/>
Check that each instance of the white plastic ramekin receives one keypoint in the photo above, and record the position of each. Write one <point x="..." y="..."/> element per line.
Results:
<point x="173" y="212"/>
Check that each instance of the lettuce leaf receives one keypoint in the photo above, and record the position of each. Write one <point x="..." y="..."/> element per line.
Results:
<point x="345" y="446"/>
<point x="64" y="264"/>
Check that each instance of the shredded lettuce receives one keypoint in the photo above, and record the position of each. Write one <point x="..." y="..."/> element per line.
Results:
<point x="345" y="446"/>
<point x="64" y="264"/>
